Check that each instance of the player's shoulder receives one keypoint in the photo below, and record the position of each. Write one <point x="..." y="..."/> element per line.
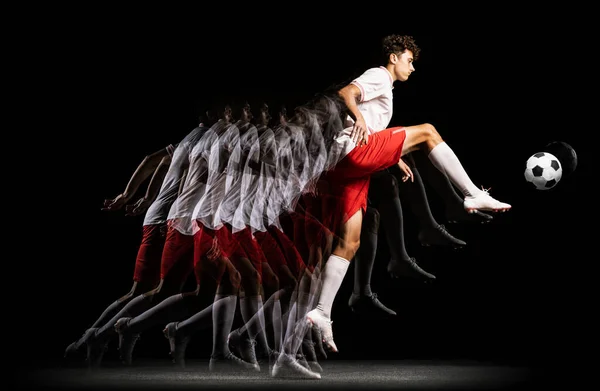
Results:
<point x="378" y="72"/>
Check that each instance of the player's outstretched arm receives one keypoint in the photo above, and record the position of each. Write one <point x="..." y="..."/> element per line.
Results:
<point x="142" y="205"/>
<point x="143" y="171"/>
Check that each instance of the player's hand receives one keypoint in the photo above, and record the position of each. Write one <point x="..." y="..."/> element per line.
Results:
<point x="116" y="203"/>
<point x="406" y="171"/>
<point x="360" y="132"/>
<point x="214" y="252"/>
<point x="137" y="208"/>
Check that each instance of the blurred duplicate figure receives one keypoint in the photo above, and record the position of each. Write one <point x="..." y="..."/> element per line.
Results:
<point x="168" y="166"/>
<point x="175" y="259"/>
<point x="219" y="309"/>
<point x="242" y="201"/>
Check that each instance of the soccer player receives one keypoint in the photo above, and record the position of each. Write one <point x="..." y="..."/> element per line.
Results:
<point x="368" y="146"/>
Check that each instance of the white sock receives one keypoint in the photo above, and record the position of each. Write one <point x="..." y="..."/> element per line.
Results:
<point x="333" y="275"/>
<point x="445" y="160"/>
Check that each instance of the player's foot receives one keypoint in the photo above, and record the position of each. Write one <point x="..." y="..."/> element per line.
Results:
<point x="96" y="346"/>
<point x="317" y="319"/>
<point x="458" y="214"/>
<point x="243" y="347"/>
<point x="267" y="360"/>
<point x="177" y="342"/>
<point x="483" y="201"/>
<point x="368" y="305"/>
<point x="287" y="366"/>
<point x="74" y="347"/>
<point x="308" y="350"/>
<point x="317" y="339"/>
<point x="408" y="268"/>
<point x="301" y="358"/>
<point x="438" y="236"/>
<point x="71" y="349"/>
<point x="127" y="340"/>
<point x="230" y="363"/>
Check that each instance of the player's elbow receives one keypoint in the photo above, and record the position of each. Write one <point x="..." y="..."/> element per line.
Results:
<point x="343" y="92"/>
<point x="349" y="93"/>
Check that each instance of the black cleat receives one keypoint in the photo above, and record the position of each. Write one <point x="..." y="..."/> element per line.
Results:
<point x="308" y="350"/>
<point x="75" y="347"/>
<point x="243" y="347"/>
<point x="408" y="268"/>
<point x="317" y="339"/>
<point x="177" y="343"/>
<point x="127" y="340"/>
<point x="368" y="305"/>
<point x="230" y="363"/>
<point x="439" y="236"/>
<point x="268" y="360"/>
<point x="95" y="348"/>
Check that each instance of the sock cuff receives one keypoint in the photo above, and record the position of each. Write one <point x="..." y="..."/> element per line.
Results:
<point x="343" y="262"/>
<point x="441" y="147"/>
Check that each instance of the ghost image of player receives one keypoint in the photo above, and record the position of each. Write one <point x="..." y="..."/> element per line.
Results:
<point x="147" y="264"/>
<point x="175" y="259"/>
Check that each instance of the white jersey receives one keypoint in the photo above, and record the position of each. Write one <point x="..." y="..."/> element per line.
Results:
<point x="375" y="104"/>
<point x="181" y="214"/>
<point x="258" y="178"/>
<point x="158" y="211"/>
<point x="206" y="210"/>
<point x="276" y="199"/>
<point x="242" y="175"/>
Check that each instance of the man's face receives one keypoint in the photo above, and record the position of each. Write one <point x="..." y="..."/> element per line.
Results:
<point x="246" y="114"/>
<point x="227" y="114"/>
<point x="403" y="65"/>
<point x="283" y="116"/>
<point x="265" y="117"/>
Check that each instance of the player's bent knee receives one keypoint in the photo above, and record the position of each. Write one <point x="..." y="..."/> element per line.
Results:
<point x="432" y="133"/>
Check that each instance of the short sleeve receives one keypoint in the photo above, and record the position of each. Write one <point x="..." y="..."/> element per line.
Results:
<point x="372" y="83"/>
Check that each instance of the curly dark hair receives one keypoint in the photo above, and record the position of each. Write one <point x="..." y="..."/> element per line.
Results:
<point x="396" y="44"/>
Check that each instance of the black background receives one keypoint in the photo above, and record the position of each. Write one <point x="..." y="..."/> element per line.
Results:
<point x="111" y="85"/>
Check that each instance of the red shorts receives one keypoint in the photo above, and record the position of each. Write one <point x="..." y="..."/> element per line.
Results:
<point x="251" y="248"/>
<point x="293" y="259"/>
<point x="308" y="231"/>
<point x="348" y="181"/>
<point x="147" y="263"/>
<point x="178" y="256"/>
<point x="271" y="250"/>
<point x="232" y="246"/>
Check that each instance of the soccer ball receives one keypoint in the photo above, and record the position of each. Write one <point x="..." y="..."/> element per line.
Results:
<point x="543" y="170"/>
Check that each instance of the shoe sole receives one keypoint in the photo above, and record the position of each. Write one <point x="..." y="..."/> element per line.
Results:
<point x="473" y="210"/>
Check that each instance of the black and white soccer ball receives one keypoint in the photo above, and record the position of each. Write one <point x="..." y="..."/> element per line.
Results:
<point x="543" y="170"/>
